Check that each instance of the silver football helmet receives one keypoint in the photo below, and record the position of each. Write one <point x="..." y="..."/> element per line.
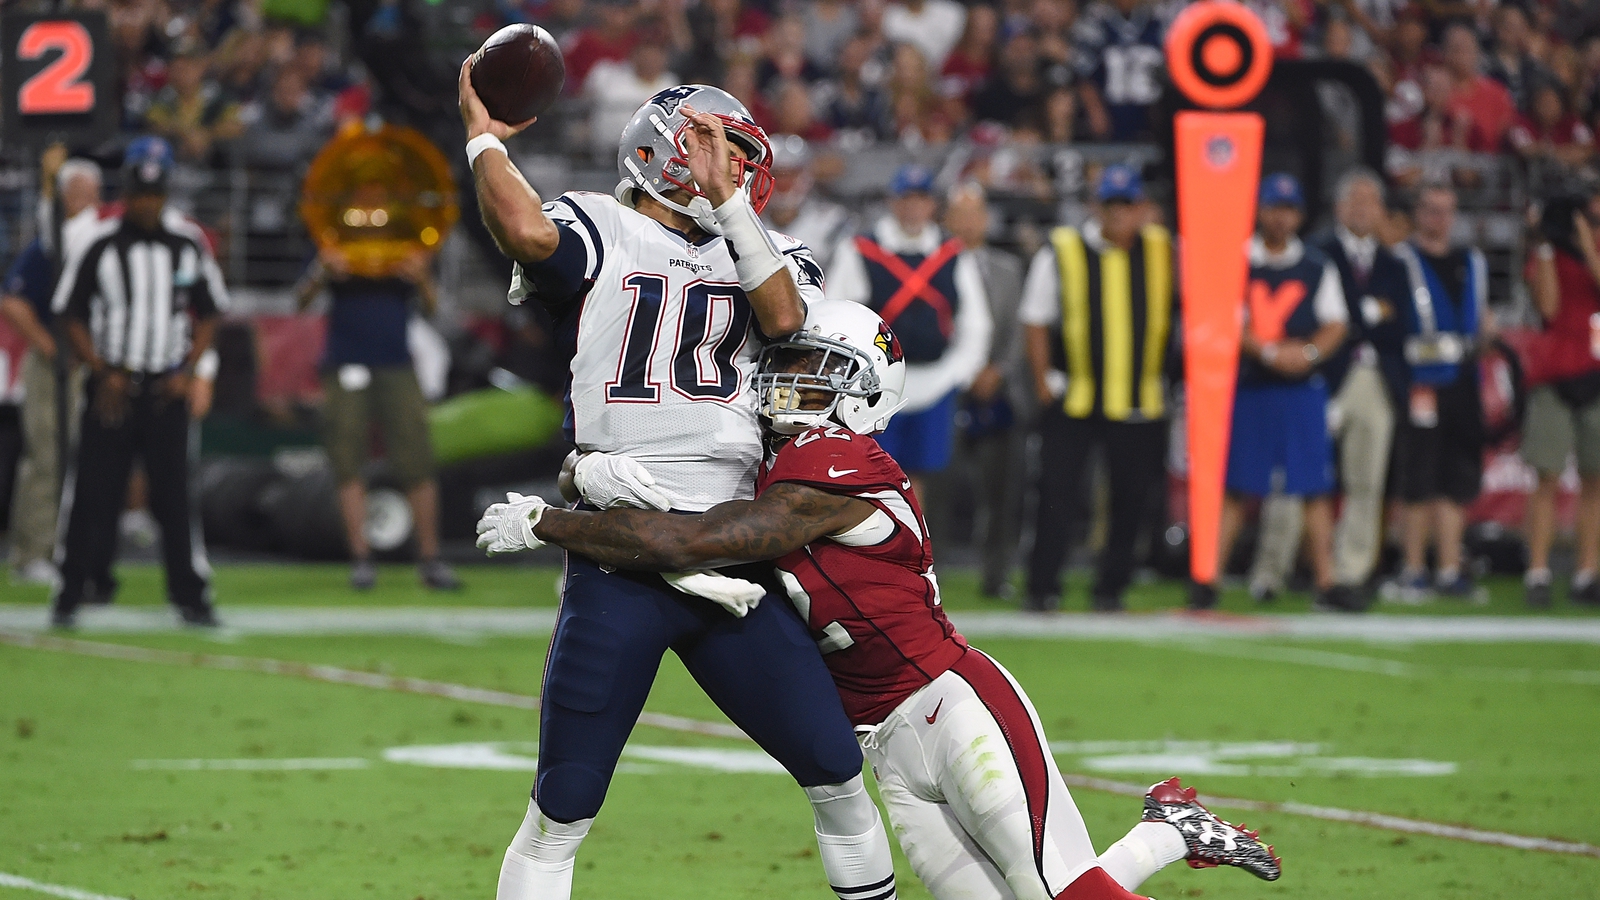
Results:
<point x="651" y="156"/>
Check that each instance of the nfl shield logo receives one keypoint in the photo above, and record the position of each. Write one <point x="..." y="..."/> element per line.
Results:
<point x="1219" y="151"/>
<point x="694" y="252"/>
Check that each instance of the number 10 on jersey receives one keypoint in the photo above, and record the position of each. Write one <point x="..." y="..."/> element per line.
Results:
<point x="707" y="326"/>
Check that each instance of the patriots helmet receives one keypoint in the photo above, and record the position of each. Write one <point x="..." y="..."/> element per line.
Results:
<point x="651" y="156"/>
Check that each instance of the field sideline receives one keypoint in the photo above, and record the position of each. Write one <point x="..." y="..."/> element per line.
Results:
<point x="152" y="776"/>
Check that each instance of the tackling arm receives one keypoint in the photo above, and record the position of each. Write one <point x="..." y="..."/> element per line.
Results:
<point x="783" y="519"/>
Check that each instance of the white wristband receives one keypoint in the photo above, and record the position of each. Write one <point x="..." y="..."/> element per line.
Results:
<point x="755" y="257"/>
<point x="205" y="368"/>
<point x="482" y="142"/>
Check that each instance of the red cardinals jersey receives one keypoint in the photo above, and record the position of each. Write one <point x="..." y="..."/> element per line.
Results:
<point x="868" y="594"/>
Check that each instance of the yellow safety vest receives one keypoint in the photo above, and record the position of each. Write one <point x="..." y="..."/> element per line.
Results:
<point x="1116" y="380"/>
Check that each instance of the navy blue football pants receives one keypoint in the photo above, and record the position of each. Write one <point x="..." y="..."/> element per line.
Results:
<point x="763" y="671"/>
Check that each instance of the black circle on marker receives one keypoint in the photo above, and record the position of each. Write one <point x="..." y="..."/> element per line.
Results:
<point x="1226" y="31"/>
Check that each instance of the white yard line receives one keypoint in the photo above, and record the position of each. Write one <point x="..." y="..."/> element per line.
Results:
<point x="8" y="880"/>
<point x="1324" y="659"/>
<point x="467" y="623"/>
<point x="335" y="675"/>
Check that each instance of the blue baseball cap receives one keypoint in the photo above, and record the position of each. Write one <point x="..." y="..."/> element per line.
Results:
<point x="1282" y="189"/>
<point x="911" y="178"/>
<point x="146" y="164"/>
<point x="1120" y="183"/>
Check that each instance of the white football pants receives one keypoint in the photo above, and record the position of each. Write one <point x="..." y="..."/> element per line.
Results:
<point x="974" y="795"/>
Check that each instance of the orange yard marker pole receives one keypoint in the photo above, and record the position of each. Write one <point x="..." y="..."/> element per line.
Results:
<point x="1219" y="55"/>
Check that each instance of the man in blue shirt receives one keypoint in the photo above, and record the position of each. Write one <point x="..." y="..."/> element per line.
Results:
<point x="25" y="304"/>
<point x="366" y="374"/>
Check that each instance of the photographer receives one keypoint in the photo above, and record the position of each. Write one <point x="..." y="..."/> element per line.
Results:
<point x="1563" y="413"/>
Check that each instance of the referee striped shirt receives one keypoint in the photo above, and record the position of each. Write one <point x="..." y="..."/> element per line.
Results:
<point x="140" y="291"/>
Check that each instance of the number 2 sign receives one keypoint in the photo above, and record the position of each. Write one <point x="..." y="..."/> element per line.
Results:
<point x="56" y="73"/>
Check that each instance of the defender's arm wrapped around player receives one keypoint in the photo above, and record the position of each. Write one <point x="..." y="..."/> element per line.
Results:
<point x="786" y="517"/>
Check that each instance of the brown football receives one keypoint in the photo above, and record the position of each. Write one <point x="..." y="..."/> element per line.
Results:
<point x="518" y="73"/>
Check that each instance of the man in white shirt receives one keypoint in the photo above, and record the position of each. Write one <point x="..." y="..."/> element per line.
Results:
<point x="932" y="26"/>
<point x="929" y="289"/>
<point x="615" y="90"/>
<point x="795" y="209"/>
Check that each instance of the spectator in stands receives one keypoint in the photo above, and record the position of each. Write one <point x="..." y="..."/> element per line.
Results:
<point x="995" y="408"/>
<point x="1432" y="145"/>
<point x="829" y="25"/>
<point x="1295" y="319"/>
<point x="1511" y="63"/>
<point x="1017" y="86"/>
<point x="850" y="103"/>
<point x="242" y="62"/>
<point x="720" y="32"/>
<point x="918" y="116"/>
<point x="616" y="90"/>
<point x="969" y="64"/>
<point x="1287" y="22"/>
<point x="367" y="376"/>
<point x="931" y="293"/>
<point x="795" y="209"/>
<point x="1052" y="22"/>
<point x="784" y="57"/>
<point x="1099" y="380"/>
<point x="192" y="111"/>
<point x="1123" y="37"/>
<point x="287" y="130"/>
<point x="792" y="112"/>
<point x="1439" y="441"/>
<point x="933" y="26"/>
<point x="1563" y="413"/>
<point x="1550" y="132"/>
<point x="610" y="38"/>
<point x="25" y="304"/>
<point x="1481" y="100"/>
<point x="1373" y="22"/>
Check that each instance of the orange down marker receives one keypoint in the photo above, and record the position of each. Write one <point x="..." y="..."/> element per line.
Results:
<point x="1219" y="55"/>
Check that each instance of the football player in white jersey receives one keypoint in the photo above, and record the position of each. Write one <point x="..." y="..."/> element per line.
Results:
<point x="663" y="295"/>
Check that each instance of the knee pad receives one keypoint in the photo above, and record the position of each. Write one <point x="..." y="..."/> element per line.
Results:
<point x="570" y="792"/>
<point x="844" y="810"/>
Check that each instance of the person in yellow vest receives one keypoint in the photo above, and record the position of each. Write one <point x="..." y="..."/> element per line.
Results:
<point x="1097" y="312"/>
<point x="929" y="289"/>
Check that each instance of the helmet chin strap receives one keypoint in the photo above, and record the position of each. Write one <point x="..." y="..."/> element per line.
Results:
<point x="698" y="208"/>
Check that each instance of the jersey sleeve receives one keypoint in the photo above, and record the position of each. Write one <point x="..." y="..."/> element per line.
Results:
<point x="586" y="227"/>
<point x="835" y="460"/>
<point x="802" y="266"/>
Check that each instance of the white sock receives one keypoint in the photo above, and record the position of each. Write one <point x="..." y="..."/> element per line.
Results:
<point x="1583" y="579"/>
<point x="538" y="864"/>
<point x="1446" y="576"/>
<point x="1541" y="576"/>
<point x="1146" y="850"/>
<point x="852" y="842"/>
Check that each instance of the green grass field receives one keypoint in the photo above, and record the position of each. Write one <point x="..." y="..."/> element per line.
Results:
<point x="108" y="781"/>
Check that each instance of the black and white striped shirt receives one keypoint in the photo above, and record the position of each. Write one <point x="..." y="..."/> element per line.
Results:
<point x="140" y="291"/>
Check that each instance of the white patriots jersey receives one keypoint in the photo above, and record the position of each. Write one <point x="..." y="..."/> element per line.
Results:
<point x="666" y="346"/>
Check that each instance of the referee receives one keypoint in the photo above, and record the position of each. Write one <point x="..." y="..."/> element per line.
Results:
<point x="140" y="306"/>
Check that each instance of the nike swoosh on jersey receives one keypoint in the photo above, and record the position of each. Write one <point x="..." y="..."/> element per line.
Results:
<point x="840" y="473"/>
<point x="936" y="709"/>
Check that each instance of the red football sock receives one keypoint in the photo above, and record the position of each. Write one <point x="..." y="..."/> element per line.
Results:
<point x="1095" y="884"/>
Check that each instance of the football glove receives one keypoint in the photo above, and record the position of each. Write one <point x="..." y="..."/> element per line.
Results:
<point x="732" y="594"/>
<point x="508" y="527"/>
<point x="607" y="480"/>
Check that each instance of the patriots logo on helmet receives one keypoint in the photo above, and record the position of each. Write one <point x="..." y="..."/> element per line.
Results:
<point x="672" y="97"/>
<point x="889" y="344"/>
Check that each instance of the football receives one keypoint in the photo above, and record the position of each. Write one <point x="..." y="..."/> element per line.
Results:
<point x="518" y="73"/>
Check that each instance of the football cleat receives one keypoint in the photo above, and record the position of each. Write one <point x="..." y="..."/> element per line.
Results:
<point x="1211" y="841"/>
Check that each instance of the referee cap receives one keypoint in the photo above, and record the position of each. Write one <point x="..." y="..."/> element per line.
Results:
<point x="146" y="165"/>
<point x="911" y="179"/>
<point x="1120" y="183"/>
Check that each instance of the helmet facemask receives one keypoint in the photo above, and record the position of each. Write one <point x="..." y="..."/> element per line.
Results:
<point x="752" y="175"/>
<point x="800" y="381"/>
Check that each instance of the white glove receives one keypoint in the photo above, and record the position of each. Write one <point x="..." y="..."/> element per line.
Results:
<point x="732" y="594"/>
<point x="607" y="480"/>
<point x="508" y="527"/>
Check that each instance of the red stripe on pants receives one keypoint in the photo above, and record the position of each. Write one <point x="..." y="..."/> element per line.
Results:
<point x="1095" y="884"/>
<point x="1011" y="712"/>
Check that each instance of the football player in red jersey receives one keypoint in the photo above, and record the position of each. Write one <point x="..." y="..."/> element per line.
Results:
<point x="960" y="756"/>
